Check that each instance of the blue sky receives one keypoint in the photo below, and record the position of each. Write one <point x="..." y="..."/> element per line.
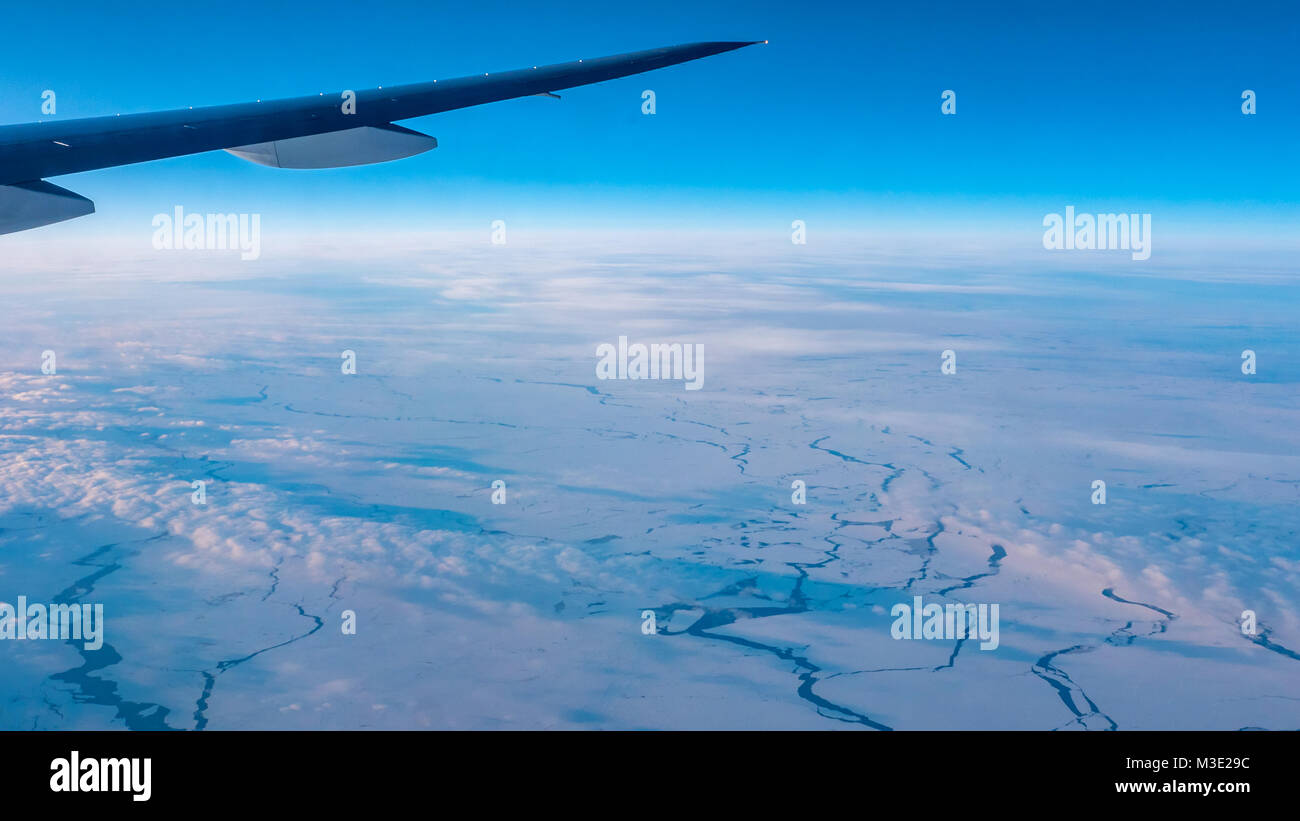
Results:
<point x="1112" y="106"/>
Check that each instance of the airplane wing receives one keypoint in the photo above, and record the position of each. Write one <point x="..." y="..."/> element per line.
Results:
<point x="303" y="132"/>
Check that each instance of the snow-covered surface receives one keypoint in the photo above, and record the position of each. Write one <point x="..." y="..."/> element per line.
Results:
<point x="373" y="492"/>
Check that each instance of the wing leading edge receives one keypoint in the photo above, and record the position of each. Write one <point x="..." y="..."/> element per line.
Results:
<point x="265" y="131"/>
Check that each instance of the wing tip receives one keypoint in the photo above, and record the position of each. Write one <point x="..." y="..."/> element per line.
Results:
<point x="712" y="47"/>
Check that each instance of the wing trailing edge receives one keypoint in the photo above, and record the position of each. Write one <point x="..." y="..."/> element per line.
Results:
<point x="33" y="204"/>
<point x="338" y="149"/>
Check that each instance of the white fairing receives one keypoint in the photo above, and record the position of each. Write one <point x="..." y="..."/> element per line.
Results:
<point x="33" y="204"/>
<point x="355" y="146"/>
